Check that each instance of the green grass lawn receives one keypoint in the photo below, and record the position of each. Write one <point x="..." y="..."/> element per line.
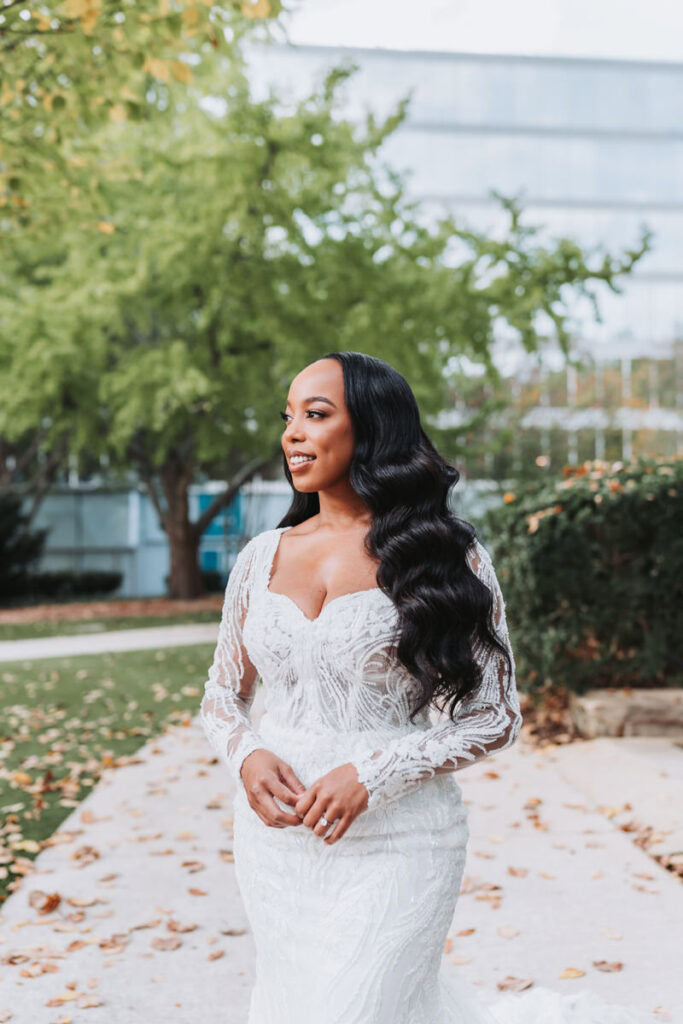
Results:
<point x="62" y="721"/>
<point x="77" y="627"/>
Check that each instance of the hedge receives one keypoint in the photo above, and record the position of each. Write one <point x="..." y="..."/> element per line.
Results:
<point x="62" y="585"/>
<point x="591" y="567"/>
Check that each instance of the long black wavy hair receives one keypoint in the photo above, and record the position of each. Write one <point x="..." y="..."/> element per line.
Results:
<point x="419" y="542"/>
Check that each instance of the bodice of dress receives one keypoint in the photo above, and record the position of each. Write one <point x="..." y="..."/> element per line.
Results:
<point x="338" y="674"/>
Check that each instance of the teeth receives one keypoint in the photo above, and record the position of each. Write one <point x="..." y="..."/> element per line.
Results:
<point x="301" y="458"/>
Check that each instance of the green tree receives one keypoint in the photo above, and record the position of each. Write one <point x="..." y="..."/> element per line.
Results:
<point x="242" y="245"/>
<point x="68" y="67"/>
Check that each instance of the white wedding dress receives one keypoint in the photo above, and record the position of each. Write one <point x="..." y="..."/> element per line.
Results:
<point x="353" y="933"/>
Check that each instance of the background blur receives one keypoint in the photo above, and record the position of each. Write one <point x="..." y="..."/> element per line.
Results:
<point x="578" y="117"/>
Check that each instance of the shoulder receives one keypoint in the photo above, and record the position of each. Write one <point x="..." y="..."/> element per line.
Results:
<point x="479" y="559"/>
<point x="248" y="554"/>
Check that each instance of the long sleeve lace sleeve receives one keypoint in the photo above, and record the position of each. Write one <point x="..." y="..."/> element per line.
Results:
<point x="229" y="691"/>
<point x="487" y="721"/>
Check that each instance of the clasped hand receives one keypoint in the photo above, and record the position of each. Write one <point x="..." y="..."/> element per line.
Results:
<point x="338" y="795"/>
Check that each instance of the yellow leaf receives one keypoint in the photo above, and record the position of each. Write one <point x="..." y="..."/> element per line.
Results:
<point x="76" y="8"/>
<point x="156" y="67"/>
<point x="181" y="71"/>
<point x="258" y="9"/>
<point x="89" y="20"/>
<point x="105" y="227"/>
<point x="190" y="15"/>
<point x="571" y="972"/>
<point x="117" y="112"/>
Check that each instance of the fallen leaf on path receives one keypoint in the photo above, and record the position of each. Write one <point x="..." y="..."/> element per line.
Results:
<point x="197" y="892"/>
<point x="518" y="872"/>
<point x="85" y="855"/>
<point x="512" y="984"/>
<point x="65" y="997"/>
<point x="448" y="945"/>
<point x="193" y="866"/>
<point x="458" y="960"/>
<point x="604" y="965"/>
<point x="216" y="955"/>
<point x="86" y="1001"/>
<point x="571" y="972"/>
<point x="38" y="968"/>
<point x="171" y="942"/>
<point x="44" y="902"/>
<point x="175" y="926"/>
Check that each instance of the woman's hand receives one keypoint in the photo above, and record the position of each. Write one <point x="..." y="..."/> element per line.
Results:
<point x="265" y="775"/>
<point x="337" y="795"/>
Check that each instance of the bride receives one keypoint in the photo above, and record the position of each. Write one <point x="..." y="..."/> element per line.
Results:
<point x="370" y="603"/>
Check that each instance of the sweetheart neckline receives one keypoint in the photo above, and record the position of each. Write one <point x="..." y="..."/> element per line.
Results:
<point x="339" y="597"/>
<point x="277" y="532"/>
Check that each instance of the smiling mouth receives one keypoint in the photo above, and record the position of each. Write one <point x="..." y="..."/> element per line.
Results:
<point x="297" y="463"/>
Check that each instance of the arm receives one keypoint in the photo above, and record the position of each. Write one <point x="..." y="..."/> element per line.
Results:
<point x="488" y="720"/>
<point x="230" y="689"/>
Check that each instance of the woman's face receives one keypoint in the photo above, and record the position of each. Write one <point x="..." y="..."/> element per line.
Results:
<point x="318" y="424"/>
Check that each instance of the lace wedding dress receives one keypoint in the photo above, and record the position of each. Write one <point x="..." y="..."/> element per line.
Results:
<point x="353" y="933"/>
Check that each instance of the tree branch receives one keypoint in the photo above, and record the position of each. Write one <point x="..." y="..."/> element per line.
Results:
<point x="223" y="499"/>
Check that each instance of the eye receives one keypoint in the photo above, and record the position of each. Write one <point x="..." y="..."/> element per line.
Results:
<point x="313" y="412"/>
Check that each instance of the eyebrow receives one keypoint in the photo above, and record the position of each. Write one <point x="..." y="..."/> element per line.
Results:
<point x="317" y="398"/>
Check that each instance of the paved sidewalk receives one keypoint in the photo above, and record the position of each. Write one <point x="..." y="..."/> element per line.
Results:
<point x="149" y="926"/>
<point x="114" y="640"/>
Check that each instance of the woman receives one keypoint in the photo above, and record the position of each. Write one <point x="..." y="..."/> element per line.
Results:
<point x="369" y="602"/>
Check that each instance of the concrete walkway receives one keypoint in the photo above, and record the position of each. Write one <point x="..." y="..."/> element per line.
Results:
<point x="146" y="923"/>
<point x="113" y="640"/>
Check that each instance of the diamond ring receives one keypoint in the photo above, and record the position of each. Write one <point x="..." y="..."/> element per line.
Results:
<point x="324" y="821"/>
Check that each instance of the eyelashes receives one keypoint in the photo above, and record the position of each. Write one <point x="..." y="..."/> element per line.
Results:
<point x="314" y="412"/>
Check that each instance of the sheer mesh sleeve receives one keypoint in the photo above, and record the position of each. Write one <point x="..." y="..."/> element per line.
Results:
<point x="229" y="691"/>
<point x="487" y="721"/>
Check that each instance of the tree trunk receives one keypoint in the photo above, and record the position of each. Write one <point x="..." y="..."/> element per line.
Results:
<point x="183" y="538"/>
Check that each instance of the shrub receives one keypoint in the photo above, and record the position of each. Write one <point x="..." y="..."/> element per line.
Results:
<point x="20" y="547"/>
<point x="591" y="567"/>
<point x="63" y="585"/>
<point x="212" y="581"/>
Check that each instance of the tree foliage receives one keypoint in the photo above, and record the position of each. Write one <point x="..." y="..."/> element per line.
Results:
<point x="67" y="68"/>
<point x="238" y="246"/>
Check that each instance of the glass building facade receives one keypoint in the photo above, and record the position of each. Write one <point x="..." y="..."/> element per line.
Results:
<point x="592" y="148"/>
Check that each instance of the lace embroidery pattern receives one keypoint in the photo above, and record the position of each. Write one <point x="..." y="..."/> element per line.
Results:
<point x="338" y="674"/>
